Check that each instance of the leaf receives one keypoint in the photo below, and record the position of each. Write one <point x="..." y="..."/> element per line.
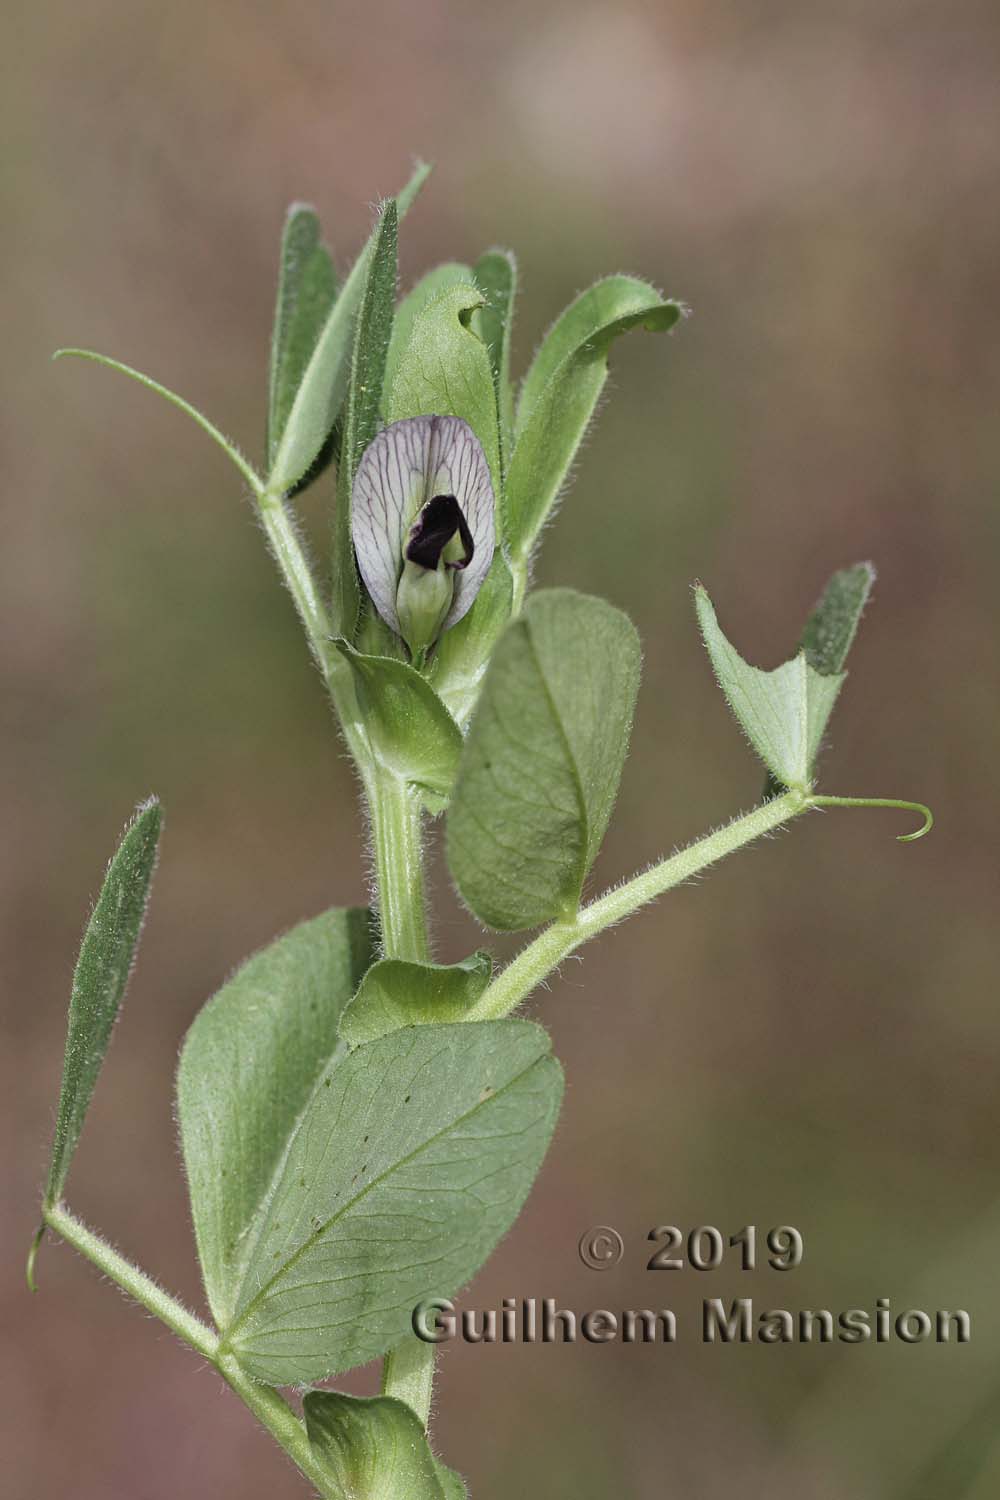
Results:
<point x="411" y="732"/>
<point x="364" y="397"/>
<point x="830" y="629"/>
<point x="452" y="1484"/>
<point x="395" y="993"/>
<point x="783" y="713"/>
<point x="429" y="287"/>
<point x="323" y="386"/>
<point x="462" y="655"/>
<point x="100" y="980"/>
<point x="445" y="370"/>
<point x="496" y="276"/>
<point x="374" y="1448"/>
<point x="247" y="1069"/>
<point x="410" y="1161"/>
<point x="307" y="289"/>
<point x="561" y="391"/>
<point x="540" y="769"/>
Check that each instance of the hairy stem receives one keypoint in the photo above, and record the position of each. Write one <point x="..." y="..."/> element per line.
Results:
<point x="397" y="838"/>
<point x="273" y="1412"/>
<point x="268" y="1407"/>
<point x="140" y="1287"/>
<point x="399" y="872"/>
<point x="539" y="958"/>
<point x="408" y="1374"/>
<point x="298" y="576"/>
<point x="394" y="808"/>
<point x="294" y="567"/>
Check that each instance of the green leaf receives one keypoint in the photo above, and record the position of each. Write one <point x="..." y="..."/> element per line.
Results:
<point x="395" y="993"/>
<point x="307" y="289"/>
<point x="561" y="391"/>
<point x="412" y="733"/>
<point x="364" y="397"/>
<point x="830" y="629"/>
<point x="444" y="370"/>
<point x="247" y="1070"/>
<point x="783" y="713"/>
<point x="410" y="1161"/>
<point x="374" y="1449"/>
<point x="452" y="1484"/>
<point x="496" y="276"/>
<point x="429" y="287"/>
<point x="323" y="386"/>
<point x="461" y="656"/>
<point x="541" y="765"/>
<point x="99" y="982"/>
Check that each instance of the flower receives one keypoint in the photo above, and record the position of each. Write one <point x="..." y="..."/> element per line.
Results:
<point x="422" y="522"/>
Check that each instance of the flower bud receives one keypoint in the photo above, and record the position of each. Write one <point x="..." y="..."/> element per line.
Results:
<point x="422" y="520"/>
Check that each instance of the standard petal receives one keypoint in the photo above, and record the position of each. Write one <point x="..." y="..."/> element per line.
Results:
<point x="389" y="489"/>
<point x="457" y="466"/>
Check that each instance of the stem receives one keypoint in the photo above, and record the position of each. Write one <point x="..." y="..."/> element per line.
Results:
<point x="407" y="1370"/>
<point x="299" y="580"/>
<point x="539" y="958"/>
<point x="408" y="1374"/>
<point x="396" y="835"/>
<point x="268" y="1407"/>
<point x="274" y="1413"/>
<point x="140" y="1287"/>
<point x="294" y="568"/>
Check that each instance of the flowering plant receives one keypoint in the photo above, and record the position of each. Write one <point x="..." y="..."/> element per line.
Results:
<point x="360" y="1125"/>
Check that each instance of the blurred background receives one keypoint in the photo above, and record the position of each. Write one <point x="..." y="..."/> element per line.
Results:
<point x="811" y="1036"/>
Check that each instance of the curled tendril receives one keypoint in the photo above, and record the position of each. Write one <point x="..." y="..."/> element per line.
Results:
<point x="915" y="807"/>
<point x="29" y="1270"/>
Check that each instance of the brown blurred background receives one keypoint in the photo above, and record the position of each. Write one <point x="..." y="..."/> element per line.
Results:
<point x="811" y="1036"/>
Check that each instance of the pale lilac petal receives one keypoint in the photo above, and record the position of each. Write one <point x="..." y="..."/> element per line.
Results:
<point x="388" y="492"/>
<point x="457" y="466"/>
<point x="406" y="465"/>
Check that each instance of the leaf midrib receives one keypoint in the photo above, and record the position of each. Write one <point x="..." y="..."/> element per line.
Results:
<point x="261" y="1294"/>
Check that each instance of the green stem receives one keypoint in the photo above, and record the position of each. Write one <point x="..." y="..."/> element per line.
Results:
<point x="268" y="1407"/>
<point x="394" y="808"/>
<point x="408" y="1374"/>
<point x="140" y="1287"/>
<point x="408" y="1370"/>
<point x="539" y="958"/>
<point x="274" y="1413"/>
<point x="397" y="838"/>
<point x="295" y="570"/>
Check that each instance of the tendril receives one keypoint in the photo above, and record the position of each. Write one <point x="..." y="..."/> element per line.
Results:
<point x="914" y="807"/>
<point x="29" y="1270"/>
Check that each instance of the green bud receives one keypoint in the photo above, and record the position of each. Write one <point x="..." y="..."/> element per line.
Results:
<point x="423" y="600"/>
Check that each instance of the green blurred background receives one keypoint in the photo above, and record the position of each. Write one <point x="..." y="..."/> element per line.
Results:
<point x="812" y="1035"/>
